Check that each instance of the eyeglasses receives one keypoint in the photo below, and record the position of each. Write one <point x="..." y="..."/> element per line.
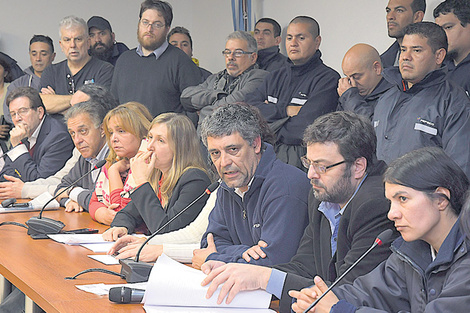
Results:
<point x="238" y="53"/>
<point x="320" y="169"/>
<point x="153" y="26"/>
<point x="21" y="112"/>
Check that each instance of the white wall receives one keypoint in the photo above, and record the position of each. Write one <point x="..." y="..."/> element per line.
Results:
<point x="342" y="22"/>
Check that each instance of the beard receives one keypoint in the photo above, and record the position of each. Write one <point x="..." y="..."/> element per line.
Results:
<point x="102" y="54"/>
<point x="151" y="42"/>
<point x="452" y="54"/>
<point x="340" y="192"/>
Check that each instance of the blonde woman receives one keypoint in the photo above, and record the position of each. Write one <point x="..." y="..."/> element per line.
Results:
<point x="169" y="176"/>
<point x="125" y="126"/>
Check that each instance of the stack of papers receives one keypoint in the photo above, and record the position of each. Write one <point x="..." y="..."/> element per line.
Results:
<point x="174" y="287"/>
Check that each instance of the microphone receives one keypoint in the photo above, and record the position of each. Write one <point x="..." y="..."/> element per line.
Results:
<point x="39" y="227"/>
<point x="135" y="271"/>
<point x="381" y="238"/>
<point x="126" y="295"/>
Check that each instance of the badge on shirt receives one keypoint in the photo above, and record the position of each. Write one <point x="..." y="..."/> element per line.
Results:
<point x="426" y="126"/>
<point x="90" y="81"/>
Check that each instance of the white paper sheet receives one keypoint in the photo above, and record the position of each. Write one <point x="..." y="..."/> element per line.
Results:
<point x="104" y="258"/>
<point x="102" y="289"/>
<point x="174" y="284"/>
<point x="98" y="247"/>
<point x="77" y="239"/>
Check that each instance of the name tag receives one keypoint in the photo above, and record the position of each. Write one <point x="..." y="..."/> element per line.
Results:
<point x="427" y="129"/>
<point x="298" y="101"/>
<point x="90" y="81"/>
<point x="272" y="99"/>
<point x="376" y="123"/>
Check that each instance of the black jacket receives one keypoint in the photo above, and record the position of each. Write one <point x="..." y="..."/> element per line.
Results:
<point x="146" y="208"/>
<point x="363" y="219"/>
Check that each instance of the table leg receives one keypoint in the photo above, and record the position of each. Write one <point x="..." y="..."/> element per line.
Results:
<point x="30" y="306"/>
<point x="5" y="288"/>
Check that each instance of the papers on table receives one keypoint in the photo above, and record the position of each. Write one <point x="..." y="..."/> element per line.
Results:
<point x="103" y="290"/>
<point x="98" y="247"/>
<point x="174" y="287"/>
<point x="77" y="239"/>
<point x="104" y="258"/>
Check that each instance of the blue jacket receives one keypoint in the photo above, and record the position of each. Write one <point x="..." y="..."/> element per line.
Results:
<point x="311" y="85"/>
<point x="409" y="281"/>
<point x="390" y="55"/>
<point x="460" y="74"/>
<point x="431" y="113"/>
<point x="274" y="209"/>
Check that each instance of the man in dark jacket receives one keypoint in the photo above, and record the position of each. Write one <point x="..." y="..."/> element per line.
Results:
<point x="422" y="108"/>
<point x="261" y="203"/>
<point x="84" y="123"/>
<point x="296" y="94"/>
<point x="363" y="84"/>
<point x="454" y="17"/>
<point x="230" y="85"/>
<point x="268" y="36"/>
<point x="347" y="210"/>
<point x="400" y="13"/>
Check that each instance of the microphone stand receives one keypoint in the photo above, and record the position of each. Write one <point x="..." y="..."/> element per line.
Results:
<point x="136" y="271"/>
<point x="39" y="227"/>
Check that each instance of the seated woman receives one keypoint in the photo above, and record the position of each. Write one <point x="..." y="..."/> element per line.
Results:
<point x="180" y="244"/>
<point x="429" y="269"/>
<point x="125" y="126"/>
<point x="169" y="176"/>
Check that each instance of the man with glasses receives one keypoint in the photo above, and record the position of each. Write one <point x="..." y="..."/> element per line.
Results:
<point x="60" y="81"/>
<point x="296" y="94"/>
<point x="231" y="85"/>
<point x="347" y="210"/>
<point x="155" y="73"/>
<point x="41" y="144"/>
<point x="261" y="207"/>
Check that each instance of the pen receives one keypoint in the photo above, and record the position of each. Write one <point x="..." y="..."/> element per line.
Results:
<point x="17" y="173"/>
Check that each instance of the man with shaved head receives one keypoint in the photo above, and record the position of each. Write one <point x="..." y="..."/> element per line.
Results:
<point x="299" y="92"/>
<point x="363" y="84"/>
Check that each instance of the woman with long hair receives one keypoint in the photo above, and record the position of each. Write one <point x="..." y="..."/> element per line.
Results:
<point x="429" y="268"/>
<point x="169" y="176"/>
<point x="125" y="127"/>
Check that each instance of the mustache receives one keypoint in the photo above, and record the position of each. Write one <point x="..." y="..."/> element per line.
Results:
<point x="317" y="183"/>
<point x="232" y="63"/>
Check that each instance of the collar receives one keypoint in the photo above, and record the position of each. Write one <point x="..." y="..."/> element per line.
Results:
<point x="157" y="52"/>
<point x="32" y="140"/>
<point x="101" y="155"/>
<point x="242" y="193"/>
<point x="393" y="76"/>
<point x="265" y="54"/>
<point x="314" y="61"/>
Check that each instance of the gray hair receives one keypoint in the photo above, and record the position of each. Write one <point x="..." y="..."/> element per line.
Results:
<point x="96" y="112"/>
<point x="100" y="95"/>
<point x="250" y="40"/>
<point x="229" y="119"/>
<point x="73" y="21"/>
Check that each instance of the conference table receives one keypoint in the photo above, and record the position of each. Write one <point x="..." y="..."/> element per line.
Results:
<point x="39" y="267"/>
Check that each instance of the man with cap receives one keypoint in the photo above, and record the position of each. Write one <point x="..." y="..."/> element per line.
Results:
<point x="103" y="44"/>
